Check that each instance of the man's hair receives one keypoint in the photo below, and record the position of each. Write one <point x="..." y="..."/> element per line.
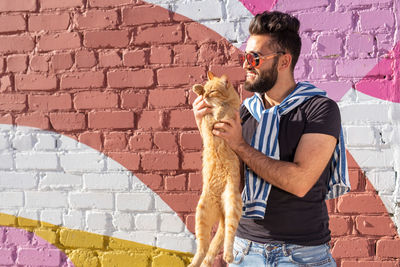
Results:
<point x="282" y="28"/>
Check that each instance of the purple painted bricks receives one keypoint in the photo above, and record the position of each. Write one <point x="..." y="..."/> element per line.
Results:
<point x="22" y="247"/>
<point x="14" y="236"/>
<point x="375" y="19"/>
<point x="6" y="256"/>
<point x="356" y="68"/>
<point x="359" y="45"/>
<point x="329" y="45"/>
<point x="290" y="5"/>
<point x="325" y="21"/>
<point x="37" y="257"/>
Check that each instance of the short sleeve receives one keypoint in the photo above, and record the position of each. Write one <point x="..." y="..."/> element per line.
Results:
<point x="322" y="116"/>
<point x="242" y="111"/>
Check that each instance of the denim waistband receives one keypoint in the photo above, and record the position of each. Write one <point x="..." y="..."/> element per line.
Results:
<point x="270" y="247"/>
<point x="247" y="245"/>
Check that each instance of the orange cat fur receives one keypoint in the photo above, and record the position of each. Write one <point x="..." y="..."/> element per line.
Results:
<point x="220" y="199"/>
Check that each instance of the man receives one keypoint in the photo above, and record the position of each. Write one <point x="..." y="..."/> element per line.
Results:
<point x="289" y="138"/>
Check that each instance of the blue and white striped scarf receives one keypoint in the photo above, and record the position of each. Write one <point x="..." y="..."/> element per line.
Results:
<point x="265" y="140"/>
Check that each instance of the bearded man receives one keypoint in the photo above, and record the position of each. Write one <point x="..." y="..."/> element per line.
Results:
<point x="289" y="138"/>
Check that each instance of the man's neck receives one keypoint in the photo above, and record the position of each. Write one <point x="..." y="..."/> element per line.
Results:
<point x="278" y="93"/>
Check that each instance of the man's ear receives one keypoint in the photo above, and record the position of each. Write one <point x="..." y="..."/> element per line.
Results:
<point x="285" y="61"/>
<point x="224" y="79"/>
<point x="198" y="89"/>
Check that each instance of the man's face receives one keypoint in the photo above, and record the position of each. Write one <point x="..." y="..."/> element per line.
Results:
<point x="263" y="77"/>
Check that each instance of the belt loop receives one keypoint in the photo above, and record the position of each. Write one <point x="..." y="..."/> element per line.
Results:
<point x="246" y="251"/>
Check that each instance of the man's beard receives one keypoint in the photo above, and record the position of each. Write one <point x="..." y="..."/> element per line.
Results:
<point x="265" y="81"/>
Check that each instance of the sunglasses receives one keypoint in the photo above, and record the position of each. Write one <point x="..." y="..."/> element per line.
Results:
<point x="254" y="59"/>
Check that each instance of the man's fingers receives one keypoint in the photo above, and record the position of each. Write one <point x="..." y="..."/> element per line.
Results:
<point x="203" y="111"/>
<point x="229" y="122"/>
<point x="197" y="100"/>
<point x="219" y="125"/>
<point x="222" y="127"/>
<point x="201" y="104"/>
<point x="218" y="133"/>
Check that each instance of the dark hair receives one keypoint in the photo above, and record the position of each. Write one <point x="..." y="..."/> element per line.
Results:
<point x="283" y="29"/>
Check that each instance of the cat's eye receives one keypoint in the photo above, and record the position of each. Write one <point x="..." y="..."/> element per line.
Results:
<point x="213" y="93"/>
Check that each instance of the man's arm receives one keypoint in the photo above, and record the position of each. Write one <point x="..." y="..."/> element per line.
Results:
<point x="298" y="177"/>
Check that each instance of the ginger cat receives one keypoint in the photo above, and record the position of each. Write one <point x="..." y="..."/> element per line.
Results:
<point x="220" y="199"/>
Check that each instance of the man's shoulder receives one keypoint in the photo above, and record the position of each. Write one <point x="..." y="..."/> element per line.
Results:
<point x="320" y="104"/>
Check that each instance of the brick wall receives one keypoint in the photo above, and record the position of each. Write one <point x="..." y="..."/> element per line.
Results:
<point x="99" y="154"/>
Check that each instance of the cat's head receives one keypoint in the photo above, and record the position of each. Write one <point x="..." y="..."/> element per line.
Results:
<point x="217" y="90"/>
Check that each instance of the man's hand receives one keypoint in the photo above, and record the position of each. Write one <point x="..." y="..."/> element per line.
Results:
<point x="200" y="108"/>
<point x="231" y="131"/>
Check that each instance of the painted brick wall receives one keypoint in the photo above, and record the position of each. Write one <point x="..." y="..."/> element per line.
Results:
<point x="99" y="154"/>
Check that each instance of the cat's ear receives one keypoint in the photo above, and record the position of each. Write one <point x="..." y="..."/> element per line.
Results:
<point x="198" y="89"/>
<point x="224" y="79"/>
<point x="210" y="75"/>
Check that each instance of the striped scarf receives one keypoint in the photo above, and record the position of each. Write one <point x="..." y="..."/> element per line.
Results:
<point x="265" y="140"/>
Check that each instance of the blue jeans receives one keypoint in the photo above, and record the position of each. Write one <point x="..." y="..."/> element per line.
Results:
<point x="251" y="254"/>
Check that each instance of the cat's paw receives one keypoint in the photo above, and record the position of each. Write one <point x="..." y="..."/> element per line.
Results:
<point x="228" y="257"/>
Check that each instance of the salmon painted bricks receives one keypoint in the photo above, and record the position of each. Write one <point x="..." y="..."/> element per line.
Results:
<point x="100" y="156"/>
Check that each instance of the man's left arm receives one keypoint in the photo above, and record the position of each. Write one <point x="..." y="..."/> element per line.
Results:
<point x="312" y="155"/>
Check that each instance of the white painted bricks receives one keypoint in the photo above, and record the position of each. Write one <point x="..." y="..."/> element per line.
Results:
<point x="11" y="199"/>
<point x="4" y="142"/>
<point x="45" y="142"/>
<point x="23" y="142"/>
<point x="170" y="223"/>
<point x="360" y="136"/>
<point x="123" y="221"/>
<point x="51" y="216"/>
<point x="135" y="202"/>
<point x="36" y="161"/>
<point x="60" y="180"/>
<point x="109" y="181"/>
<point x="208" y="9"/>
<point x="52" y="199"/>
<point x="74" y="219"/>
<point x="73" y="161"/>
<point x="91" y="200"/>
<point x="145" y="222"/>
<point x="98" y="220"/>
<point x="6" y="161"/>
<point x="18" y="180"/>
<point x="175" y="242"/>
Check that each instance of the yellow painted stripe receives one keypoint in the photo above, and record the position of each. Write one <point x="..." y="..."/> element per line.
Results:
<point x="86" y="249"/>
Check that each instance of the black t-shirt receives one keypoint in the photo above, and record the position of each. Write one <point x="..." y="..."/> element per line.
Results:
<point x="288" y="218"/>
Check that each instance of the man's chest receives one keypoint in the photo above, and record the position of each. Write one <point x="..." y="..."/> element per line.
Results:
<point x="291" y="128"/>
